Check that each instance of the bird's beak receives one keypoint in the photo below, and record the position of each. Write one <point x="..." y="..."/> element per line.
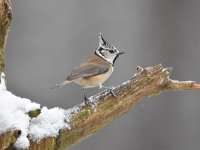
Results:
<point x="120" y="53"/>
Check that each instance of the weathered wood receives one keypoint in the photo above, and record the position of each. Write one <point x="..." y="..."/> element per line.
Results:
<point x="147" y="82"/>
<point x="9" y="138"/>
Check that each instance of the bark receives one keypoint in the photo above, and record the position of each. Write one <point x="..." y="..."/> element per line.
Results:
<point x="5" y="20"/>
<point x="91" y="118"/>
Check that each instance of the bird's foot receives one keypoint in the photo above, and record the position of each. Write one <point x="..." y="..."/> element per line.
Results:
<point x="86" y="100"/>
<point x="112" y="93"/>
<point x="110" y="90"/>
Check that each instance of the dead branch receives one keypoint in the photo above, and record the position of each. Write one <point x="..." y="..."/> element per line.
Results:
<point x="147" y="82"/>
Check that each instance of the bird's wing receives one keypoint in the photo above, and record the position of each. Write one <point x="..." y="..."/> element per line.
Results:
<point x="87" y="70"/>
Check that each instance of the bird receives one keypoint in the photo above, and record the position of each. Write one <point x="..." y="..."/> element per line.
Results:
<point x="95" y="69"/>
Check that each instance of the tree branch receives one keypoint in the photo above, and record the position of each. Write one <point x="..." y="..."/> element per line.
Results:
<point x="5" y="20"/>
<point x="92" y="117"/>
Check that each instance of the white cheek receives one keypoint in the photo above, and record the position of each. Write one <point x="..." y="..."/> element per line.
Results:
<point x="111" y="58"/>
<point x="112" y="69"/>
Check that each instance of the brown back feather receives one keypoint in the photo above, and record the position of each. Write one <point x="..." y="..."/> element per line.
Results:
<point x="92" y="65"/>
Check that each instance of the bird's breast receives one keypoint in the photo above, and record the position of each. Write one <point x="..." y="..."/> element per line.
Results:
<point x="96" y="80"/>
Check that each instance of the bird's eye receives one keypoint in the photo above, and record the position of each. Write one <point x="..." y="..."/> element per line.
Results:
<point x="111" y="51"/>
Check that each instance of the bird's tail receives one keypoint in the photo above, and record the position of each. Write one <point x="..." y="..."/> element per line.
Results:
<point x="61" y="84"/>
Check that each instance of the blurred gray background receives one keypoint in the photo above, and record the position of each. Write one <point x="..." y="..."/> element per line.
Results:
<point x="50" y="37"/>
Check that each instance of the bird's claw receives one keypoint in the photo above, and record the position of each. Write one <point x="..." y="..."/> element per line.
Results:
<point x="112" y="93"/>
<point x="86" y="100"/>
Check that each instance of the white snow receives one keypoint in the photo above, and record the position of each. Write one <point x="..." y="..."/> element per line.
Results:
<point x="51" y="121"/>
<point x="3" y="84"/>
<point x="47" y="124"/>
<point x="14" y="116"/>
<point x="22" y="142"/>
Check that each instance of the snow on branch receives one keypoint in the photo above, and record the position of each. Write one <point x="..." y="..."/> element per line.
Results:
<point x="14" y="114"/>
<point x="57" y="128"/>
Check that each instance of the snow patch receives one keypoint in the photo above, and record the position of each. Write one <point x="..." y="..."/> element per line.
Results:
<point x="22" y="142"/>
<point x="13" y="114"/>
<point x="3" y="82"/>
<point x="51" y="121"/>
<point x="47" y="124"/>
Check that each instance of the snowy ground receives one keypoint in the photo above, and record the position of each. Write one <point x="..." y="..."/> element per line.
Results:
<point x="14" y="116"/>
